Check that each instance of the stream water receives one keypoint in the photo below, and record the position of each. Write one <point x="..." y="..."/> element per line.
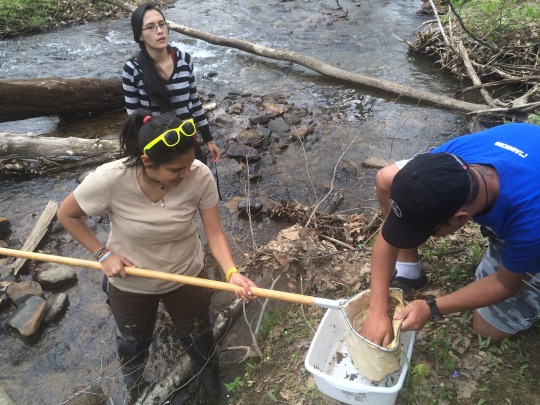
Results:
<point x="80" y="348"/>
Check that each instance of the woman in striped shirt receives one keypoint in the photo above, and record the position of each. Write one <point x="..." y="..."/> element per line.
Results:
<point x="160" y="77"/>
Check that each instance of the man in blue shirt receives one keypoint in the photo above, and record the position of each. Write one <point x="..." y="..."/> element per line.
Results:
<point x="490" y="177"/>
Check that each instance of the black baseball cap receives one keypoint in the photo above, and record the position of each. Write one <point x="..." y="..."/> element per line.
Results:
<point x="425" y="193"/>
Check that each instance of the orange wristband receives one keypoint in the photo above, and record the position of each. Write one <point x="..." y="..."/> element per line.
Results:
<point x="230" y="272"/>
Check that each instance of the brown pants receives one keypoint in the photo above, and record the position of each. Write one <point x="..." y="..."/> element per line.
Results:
<point x="136" y="314"/>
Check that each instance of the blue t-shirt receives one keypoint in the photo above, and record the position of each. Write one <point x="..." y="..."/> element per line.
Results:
<point x="514" y="151"/>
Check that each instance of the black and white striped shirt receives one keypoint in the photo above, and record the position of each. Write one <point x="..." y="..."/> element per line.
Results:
<point x="181" y="87"/>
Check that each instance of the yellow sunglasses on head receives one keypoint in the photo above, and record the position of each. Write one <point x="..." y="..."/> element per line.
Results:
<point x="171" y="137"/>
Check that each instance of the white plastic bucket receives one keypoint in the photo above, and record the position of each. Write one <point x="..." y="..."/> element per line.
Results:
<point x="329" y="362"/>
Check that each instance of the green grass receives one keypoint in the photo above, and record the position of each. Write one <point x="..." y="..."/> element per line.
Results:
<point x="494" y="20"/>
<point x="26" y="16"/>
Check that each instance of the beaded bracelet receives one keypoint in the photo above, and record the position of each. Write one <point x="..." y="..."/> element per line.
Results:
<point x="101" y="253"/>
<point x="230" y="272"/>
<point x="107" y="254"/>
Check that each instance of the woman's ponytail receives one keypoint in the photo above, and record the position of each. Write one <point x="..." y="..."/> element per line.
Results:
<point x="129" y="137"/>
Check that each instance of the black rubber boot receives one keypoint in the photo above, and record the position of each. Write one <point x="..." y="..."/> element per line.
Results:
<point x="132" y="373"/>
<point x="205" y="357"/>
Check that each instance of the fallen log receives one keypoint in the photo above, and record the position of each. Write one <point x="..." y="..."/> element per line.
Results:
<point x="31" y="154"/>
<point x="22" y="99"/>
<point x="51" y="147"/>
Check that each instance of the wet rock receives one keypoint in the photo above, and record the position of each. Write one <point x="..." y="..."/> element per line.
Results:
<point x="346" y="170"/>
<point x="260" y="119"/>
<point x="241" y="121"/>
<point x="56" y="304"/>
<point x="249" y="137"/>
<point x="27" y="319"/>
<point x="235" y="109"/>
<point x="5" y="228"/>
<point x="209" y="75"/>
<point x="300" y="133"/>
<point x="20" y="292"/>
<point x="232" y="204"/>
<point x="4" y="303"/>
<point x="255" y="206"/>
<point x="57" y="277"/>
<point x="275" y="109"/>
<point x="265" y="132"/>
<point x="4" y="398"/>
<point x="240" y="151"/>
<point x="375" y="162"/>
<point x="233" y="95"/>
<point x="222" y="119"/>
<point x="279" y="142"/>
<point x="226" y="103"/>
<point x="294" y="119"/>
<point x="6" y="272"/>
<point x="279" y="125"/>
<point x="210" y="106"/>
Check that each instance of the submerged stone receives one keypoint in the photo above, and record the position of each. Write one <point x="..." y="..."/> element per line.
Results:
<point x="20" y="292"/>
<point x="56" y="304"/>
<point x="27" y="319"/>
<point x="57" y="277"/>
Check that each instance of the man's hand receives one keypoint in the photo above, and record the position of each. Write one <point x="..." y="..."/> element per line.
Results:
<point x="415" y="315"/>
<point x="377" y="329"/>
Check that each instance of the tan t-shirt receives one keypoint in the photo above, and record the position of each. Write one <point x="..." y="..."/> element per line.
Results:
<point x="150" y="236"/>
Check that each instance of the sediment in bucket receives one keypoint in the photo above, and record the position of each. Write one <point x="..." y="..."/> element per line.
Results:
<point x="372" y="361"/>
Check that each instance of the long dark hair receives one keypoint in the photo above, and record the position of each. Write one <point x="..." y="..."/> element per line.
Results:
<point x="154" y="84"/>
<point x="140" y="128"/>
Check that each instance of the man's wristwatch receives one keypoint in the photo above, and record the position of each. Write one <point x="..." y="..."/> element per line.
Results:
<point x="435" y="313"/>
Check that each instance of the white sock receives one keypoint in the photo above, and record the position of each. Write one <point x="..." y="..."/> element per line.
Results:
<point x="408" y="270"/>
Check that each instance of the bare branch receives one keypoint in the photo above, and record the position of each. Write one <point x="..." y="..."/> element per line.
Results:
<point x="493" y="47"/>
<point x="441" y="29"/>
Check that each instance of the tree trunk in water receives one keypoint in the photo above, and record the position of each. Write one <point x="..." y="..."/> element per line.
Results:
<point x="22" y="99"/>
<point x="30" y="154"/>
<point x="32" y="146"/>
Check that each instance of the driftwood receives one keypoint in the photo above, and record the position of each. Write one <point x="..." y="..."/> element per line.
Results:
<point x="30" y="154"/>
<point x="54" y="148"/>
<point x="37" y="234"/>
<point x="472" y="74"/>
<point x="21" y="99"/>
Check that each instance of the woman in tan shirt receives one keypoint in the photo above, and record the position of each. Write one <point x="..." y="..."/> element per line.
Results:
<point x="151" y="197"/>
